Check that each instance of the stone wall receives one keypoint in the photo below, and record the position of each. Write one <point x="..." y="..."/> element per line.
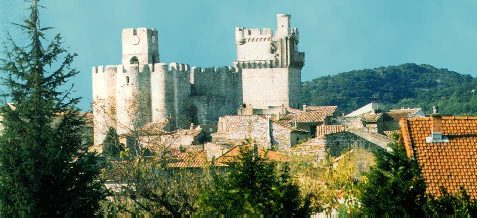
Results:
<point x="336" y="143"/>
<point x="236" y="129"/>
<point x="104" y="101"/>
<point x="264" y="87"/>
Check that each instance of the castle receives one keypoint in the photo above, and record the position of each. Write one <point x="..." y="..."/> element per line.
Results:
<point x="142" y="90"/>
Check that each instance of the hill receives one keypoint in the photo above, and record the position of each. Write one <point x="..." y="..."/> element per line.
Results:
<point x="407" y="85"/>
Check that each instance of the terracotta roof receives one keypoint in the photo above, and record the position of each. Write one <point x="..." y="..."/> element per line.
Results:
<point x="234" y="152"/>
<point x="327" y="129"/>
<point x="449" y="164"/>
<point x="316" y="114"/>
<point x="329" y="109"/>
<point x="371" y="117"/>
<point x="189" y="159"/>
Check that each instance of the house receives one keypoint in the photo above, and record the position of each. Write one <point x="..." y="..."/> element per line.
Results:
<point x="310" y="118"/>
<point x="234" y="129"/>
<point x="445" y="148"/>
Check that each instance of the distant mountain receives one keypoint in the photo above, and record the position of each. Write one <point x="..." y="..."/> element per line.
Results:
<point x="407" y="85"/>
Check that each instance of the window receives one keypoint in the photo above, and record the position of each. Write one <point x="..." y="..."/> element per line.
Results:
<point x="127" y="79"/>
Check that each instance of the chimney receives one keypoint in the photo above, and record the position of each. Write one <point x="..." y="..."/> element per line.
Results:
<point x="304" y="107"/>
<point x="436" y="127"/>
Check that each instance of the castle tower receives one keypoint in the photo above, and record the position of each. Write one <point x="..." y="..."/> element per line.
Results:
<point x="133" y="86"/>
<point x="140" y="46"/>
<point x="271" y="65"/>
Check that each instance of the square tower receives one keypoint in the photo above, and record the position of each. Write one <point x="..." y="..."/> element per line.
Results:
<point x="140" y="46"/>
<point x="271" y="65"/>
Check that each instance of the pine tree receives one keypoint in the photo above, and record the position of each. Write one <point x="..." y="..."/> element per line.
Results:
<point x="45" y="168"/>
<point x="111" y="145"/>
<point x="254" y="185"/>
<point x="395" y="185"/>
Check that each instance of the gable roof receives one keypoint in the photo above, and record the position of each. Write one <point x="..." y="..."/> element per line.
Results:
<point x="449" y="164"/>
<point x="189" y="159"/>
<point x="313" y="114"/>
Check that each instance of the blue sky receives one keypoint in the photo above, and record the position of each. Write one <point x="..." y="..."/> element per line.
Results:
<point x="336" y="35"/>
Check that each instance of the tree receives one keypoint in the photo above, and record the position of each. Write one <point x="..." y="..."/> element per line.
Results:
<point x="253" y="185"/>
<point x="457" y="204"/>
<point x="45" y="168"/>
<point x="111" y="145"/>
<point x="150" y="185"/>
<point x="395" y="185"/>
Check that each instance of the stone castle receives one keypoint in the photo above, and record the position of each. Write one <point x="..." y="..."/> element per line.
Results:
<point x="142" y="90"/>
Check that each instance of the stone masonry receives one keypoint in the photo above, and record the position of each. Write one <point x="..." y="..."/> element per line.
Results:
<point x="142" y="90"/>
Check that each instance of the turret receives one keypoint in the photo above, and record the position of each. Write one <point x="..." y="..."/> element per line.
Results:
<point x="283" y="25"/>
<point x="140" y="46"/>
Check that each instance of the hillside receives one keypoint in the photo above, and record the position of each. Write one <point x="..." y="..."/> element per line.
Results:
<point x="407" y="85"/>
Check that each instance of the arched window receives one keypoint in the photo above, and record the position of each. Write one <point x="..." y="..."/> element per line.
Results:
<point x="134" y="60"/>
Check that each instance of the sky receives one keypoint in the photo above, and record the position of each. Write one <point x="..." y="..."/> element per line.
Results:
<point x="336" y="35"/>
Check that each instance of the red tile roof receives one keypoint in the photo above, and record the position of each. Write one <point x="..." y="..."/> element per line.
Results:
<point x="189" y="159"/>
<point x="328" y="129"/>
<point x="314" y="114"/>
<point x="449" y="164"/>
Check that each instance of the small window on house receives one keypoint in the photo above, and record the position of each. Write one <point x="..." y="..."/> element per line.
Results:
<point x="127" y="79"/>
<point x="249" y="32"/>
<point x="134" y="32"/>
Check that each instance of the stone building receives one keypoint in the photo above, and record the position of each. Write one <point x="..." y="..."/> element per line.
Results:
<point x="141" y="90"/>
<point x="265" y="131"/>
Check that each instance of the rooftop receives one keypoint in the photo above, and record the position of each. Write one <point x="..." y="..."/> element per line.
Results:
<point x="450" y="164"/>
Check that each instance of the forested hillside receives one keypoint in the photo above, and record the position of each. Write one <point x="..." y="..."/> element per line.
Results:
<point x="407" y="85"/>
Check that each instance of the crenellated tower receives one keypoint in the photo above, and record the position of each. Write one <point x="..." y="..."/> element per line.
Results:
<point x="271" y="64"/>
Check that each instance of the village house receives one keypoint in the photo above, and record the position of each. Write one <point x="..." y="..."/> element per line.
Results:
<point x="445" y="148"/>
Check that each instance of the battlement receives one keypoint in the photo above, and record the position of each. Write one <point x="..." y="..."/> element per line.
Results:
<point x="253" y="34"/>
<point x="104" y="69"/>
<point x="179" y="67"/>
<point x="137" y="31"/>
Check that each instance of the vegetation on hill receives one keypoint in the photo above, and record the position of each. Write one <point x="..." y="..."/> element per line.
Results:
<point x="406" y="85"/>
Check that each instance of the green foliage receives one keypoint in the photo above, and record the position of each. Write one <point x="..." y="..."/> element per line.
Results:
<point x="253" y="185"/>
<point x="407" y="85"/>
<point x="449" y="204"/>
<point x="111" y="145"/>
<point x="395" y="185"/>
<point x="45" y="169"/>
<point x="333" y="184"/>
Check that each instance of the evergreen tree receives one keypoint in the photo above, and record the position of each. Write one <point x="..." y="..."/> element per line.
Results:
<point x="111" y="145"/>
<point x="45" y="168"/>
<point x="395" y="185"/>
<point x="254" y="185"/>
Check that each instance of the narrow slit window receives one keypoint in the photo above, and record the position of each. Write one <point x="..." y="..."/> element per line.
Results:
<point x="127" y="79"/>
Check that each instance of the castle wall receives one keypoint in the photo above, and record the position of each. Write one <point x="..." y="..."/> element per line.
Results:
<point x="217" y="92"/>
<point x="264" y="87"/>
<point x="181" y="91"/>
<point x="104" y="101"/>
<point x="133" y="105"/>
